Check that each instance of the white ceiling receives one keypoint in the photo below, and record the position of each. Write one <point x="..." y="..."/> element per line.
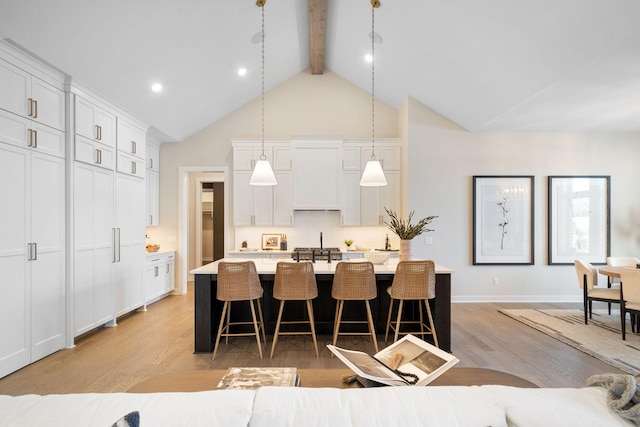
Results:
<point x="491" y="65"/>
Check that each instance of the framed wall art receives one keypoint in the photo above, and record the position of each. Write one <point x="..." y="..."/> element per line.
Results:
<point x="579" y="219"/>
<point x="271" y="241"/>
<point x="503" y="220"/>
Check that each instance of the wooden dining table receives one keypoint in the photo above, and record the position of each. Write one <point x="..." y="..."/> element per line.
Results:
<point x="613" y="272"/>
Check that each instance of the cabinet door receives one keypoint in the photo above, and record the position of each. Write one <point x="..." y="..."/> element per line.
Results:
<point x="130" y="139"/>
<point x="242" y="199"/>
<point x="15" y="302"/>
<point x="94" y="153"/>
<point x="130" y="165"/>
<point x="47" y="140"/>
<point x="15" y="89"/>
<point x="351" y="198"/>
<point x="392" y="193"/>
<point x="262" y="205"/>
<point x="48" y="107"/>
<point x="169" y="282"/>
<point x="153" y="199"/>
<point x="48" y="267"/>
<point x="14" y="129"/>
<point x="283" y="199"/>
<point x="107" y="127"/>
<point x="84" y="118"/>
<point x="153" y="157"/>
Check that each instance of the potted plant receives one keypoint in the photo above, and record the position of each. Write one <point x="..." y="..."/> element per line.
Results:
<point x="407" y="231"/>
<point x="348" y="242"/>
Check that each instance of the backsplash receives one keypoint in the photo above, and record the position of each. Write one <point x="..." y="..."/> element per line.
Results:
<point x="306" y="233"/>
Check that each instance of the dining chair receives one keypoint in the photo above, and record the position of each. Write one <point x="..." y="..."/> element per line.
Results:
<point x="295" y="281"/>
<point x="619" y="261"/>
<point x="239" y="281"/>
<point x="588" y="281"/>
<point x="354" y="281"/>
<point x="630" y="291"/>
<point x="413" y="281"/>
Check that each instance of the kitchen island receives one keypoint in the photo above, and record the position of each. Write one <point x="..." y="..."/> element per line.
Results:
<point x="208" y="308"/>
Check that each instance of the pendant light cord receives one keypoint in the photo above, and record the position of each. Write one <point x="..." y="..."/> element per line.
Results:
<point x="373" y="101"/>
<point x="262" y="156"/>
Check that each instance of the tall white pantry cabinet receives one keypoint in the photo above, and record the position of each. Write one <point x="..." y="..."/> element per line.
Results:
<point x="32" y="220"/>
<point x="109" y="208"/>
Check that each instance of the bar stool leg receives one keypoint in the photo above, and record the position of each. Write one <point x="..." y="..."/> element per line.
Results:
<point x="226" y="338"/>
<point x="372" y="330"/>
<point x="264" y="335"/>
<point x="255" y="327"/>
<point x="421" y="319"/>
<point x="433" y="329"/>
<point x="336" y="325"/>
<point x="313" y="328"/>
<point x="275" y="334"/>
<point x="386" y="332"/>
<point x="222" y="317"/>
<point x="395" y="338"/>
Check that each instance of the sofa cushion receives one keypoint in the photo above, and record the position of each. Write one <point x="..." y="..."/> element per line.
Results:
<point x="543" y="407"/>
<point x="381" y="406"/>
<point x="206" y="408"/>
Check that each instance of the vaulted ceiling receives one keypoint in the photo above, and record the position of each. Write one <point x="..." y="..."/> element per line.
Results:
<point x="492" y="65"/>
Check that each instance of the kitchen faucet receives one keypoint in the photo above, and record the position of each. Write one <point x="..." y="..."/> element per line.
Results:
<point x="321" y="240"/>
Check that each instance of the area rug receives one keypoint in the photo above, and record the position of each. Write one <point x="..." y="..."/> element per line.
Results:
<point x="601" y="338"/>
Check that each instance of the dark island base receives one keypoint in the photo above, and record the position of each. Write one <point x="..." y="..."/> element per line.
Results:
<point x="208" y="309"/>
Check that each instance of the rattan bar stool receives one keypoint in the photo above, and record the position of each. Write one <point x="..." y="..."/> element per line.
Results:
<point x="239" y="281"/>
<point x="354" y="281"/>
<point x="414" y="280"/>
<point x="295" y="281"/>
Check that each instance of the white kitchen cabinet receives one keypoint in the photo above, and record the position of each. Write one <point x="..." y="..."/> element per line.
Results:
<point x="130" y="165"/>
<point x="129" y="244"/>
<point x="153" y="157"/>
<point x="153" y="184"/>
<point x="131" y="139"/>
<point x="365" y="206"/>
<point x="93" y="153"/>
<point x="256" y="205"/>
<point x="153" y="198"/>
<point x="317" y="167"/>
<point x="32" y="256"/>
<point x="94" y="122"/>
<point x="28" y="96"/>
<point x="159" y="275"/>
<point x="94" y="247"/>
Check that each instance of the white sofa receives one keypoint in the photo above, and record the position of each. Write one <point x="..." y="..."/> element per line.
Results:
<point x="489" y="405"/>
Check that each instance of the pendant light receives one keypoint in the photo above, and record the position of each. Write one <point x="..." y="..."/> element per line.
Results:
<point x="373" y="176"/>
<point x="262" y="173"/>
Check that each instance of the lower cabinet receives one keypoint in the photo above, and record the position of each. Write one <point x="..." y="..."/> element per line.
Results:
<point x="159" y="275"/>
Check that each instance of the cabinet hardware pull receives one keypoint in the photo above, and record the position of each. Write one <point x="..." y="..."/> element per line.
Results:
<point x="35" y="139"/>
<point x="156" y="269"/>
<point x="151" y="160"/>
<point x="97" y="136"/>
<point x="167" y="268"/>
<point x="35" y="252"/>
<point x="30" y="107"/>
<point x="97" y="156"/>
<point x="35" y="109"/>
<point x="113" y="240"/>
<point x="30" y="137"/>
<point x="133" y="147"/>
<point x="150" y="219"/>
<point x="29" y="253"/>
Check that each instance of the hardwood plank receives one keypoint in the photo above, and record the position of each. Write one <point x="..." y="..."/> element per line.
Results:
<point x="160" y="341"/>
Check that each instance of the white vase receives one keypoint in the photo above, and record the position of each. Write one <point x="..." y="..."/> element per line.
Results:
<point x="405" y="250"/>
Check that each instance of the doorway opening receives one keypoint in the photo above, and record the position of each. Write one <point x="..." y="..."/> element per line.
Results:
<point x="209" y="223"/>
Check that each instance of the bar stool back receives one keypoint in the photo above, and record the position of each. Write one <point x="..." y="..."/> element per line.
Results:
<point x="239" y="281"/>
<point x="295" y="281"/>
<point x="414" y="280"/>
<point x="354" y="281"/>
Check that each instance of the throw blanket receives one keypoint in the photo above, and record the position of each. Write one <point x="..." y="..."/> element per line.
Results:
<point x="623" y="395"/>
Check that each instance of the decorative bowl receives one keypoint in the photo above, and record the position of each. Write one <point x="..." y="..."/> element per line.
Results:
<point x="377" y="257"/>
<point x="153" y="248"/>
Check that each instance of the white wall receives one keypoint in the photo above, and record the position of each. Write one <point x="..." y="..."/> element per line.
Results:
<point x="443" y="158"/>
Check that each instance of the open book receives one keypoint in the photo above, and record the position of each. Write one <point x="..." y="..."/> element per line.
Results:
<point x="405" y="362"/>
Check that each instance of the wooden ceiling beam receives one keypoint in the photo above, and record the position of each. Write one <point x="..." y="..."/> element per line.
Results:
<point x="317" y="26"/>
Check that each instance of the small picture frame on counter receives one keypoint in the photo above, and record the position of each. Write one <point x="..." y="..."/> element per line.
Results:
<point x="271" y="242"/>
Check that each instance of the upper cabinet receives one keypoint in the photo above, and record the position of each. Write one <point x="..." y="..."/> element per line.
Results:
<point x="366" y="205"/>
<point x="28" y="96"/>
<point x="317" y="175"/>
<point x="153" y="183"/>
<point x="262" y="206"/>
<point x="131" y="139"/>
<point x="95" y="122"/>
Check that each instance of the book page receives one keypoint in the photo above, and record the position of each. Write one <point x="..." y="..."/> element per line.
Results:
<point x="366" y="366"/>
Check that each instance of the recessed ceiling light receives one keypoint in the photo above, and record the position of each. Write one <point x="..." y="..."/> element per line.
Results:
<point x="242" y="71"/>
<point x="368" y="58"/>
<point x="156" y="87"/>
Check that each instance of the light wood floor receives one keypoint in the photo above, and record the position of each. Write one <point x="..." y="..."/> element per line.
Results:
<point x="160" y="340"/>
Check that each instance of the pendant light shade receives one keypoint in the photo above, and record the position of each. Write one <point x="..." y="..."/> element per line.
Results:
<point x="373" y="176"/>
<point x="262" y="173"/>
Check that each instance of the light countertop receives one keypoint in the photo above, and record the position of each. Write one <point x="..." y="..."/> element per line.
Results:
<point x="268" y="266"/>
